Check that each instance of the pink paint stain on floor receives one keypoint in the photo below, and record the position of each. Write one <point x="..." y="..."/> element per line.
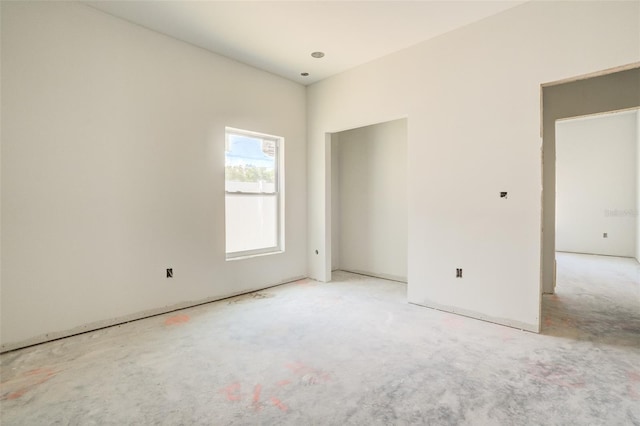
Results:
<point x="296" y="367"/>
<point x="306" y="376"/>
<point x="26" y="382"/>
<point x="177" y="319"/>
<point x="257" y="390"/>
<point x="232" y="392"/>
<point x="275" y="401"/>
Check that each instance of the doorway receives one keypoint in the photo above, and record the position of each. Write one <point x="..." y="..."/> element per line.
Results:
<point x="566" y="314"/>
<point x="369" y="200"/>
<point x="606" y="91"/>
<point x="597" y="184"/>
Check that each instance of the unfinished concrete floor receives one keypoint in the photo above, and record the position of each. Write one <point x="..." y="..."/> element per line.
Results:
<point x="347" y="352"/>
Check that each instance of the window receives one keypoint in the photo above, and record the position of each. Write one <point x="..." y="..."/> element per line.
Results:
<point x="253" y="199"/>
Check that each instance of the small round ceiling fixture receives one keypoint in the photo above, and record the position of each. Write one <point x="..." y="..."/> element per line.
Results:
<point x="304" y="74"/>
<point x="318" y="55"/>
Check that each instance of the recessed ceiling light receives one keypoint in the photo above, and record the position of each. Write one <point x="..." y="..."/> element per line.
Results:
<point x="304" y="74"/>
<point x="318" y="55"/>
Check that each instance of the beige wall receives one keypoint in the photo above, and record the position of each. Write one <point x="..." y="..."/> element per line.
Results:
<point x="113" y="170"/>
<point x="472" y="98"/>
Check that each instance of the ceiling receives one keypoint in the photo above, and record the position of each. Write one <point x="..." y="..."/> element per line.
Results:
<point x="279" y="36"/>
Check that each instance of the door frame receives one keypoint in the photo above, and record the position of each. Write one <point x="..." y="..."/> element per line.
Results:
<point x="615" y="89"/>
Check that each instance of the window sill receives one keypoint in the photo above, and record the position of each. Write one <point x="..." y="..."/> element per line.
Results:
<point x="252" y="255"/>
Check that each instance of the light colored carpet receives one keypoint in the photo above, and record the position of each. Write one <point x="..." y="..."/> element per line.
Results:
<point x="347" y="352"/>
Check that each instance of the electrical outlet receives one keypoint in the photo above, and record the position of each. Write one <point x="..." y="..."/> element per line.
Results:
<point x="169" y="272"/>
<point x="605" y="235"/>
<point x="458" y="272"/>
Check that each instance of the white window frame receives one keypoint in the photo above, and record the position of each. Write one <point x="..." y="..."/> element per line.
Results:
<point x="278" y="193"/>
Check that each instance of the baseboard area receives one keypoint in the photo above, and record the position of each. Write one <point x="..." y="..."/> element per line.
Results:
<point x="534" y="328"/>
<point x="376" y="275"/>
<point x="97" y="325"/>
<point x="596" y="254"/>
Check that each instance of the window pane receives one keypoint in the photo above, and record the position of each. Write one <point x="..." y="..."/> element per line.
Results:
<point x="251" y="222"/>
<point x="250" y="164"/>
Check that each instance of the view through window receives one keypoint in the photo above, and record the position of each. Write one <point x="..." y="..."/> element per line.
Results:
<point x="253" y="193"/>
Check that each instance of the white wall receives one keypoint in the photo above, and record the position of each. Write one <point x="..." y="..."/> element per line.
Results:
<point x="372" y="207"/>
<point x="596" y="177"/>
<point x="472" y="98"/>
<point x="335" y="202"/>
<point x="113" y="170"/>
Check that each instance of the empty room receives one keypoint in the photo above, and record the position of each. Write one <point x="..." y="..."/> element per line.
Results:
<point x="320" y="212"/>
<point x="596" y="225"/>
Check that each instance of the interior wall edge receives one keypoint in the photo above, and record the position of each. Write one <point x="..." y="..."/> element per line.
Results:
<point x="587" y="76"/>
<point x="377" y="275"/>
<point x="534" y="328"/>
<point x="594" y="254"/>
<point x="637" y="218"/>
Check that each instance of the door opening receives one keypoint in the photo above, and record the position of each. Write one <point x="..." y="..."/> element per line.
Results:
<point x="613" y="90"/>
<point x="604" y="92"/>
<point x="369" y="200"/>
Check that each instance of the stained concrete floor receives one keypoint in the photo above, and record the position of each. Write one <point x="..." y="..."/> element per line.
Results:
<point x="347" y="352"/>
